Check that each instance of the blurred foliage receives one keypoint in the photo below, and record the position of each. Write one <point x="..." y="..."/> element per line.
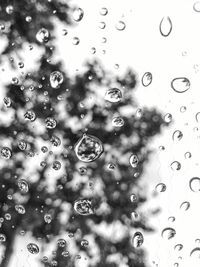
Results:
<point x="78" y="106"/>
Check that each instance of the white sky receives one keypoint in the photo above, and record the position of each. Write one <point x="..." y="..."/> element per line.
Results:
<point x="142" y="47"/>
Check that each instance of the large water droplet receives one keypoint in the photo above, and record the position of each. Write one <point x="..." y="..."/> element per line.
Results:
<point x="195" y="253"/>
<point x="147" y="79"/>
<point x="165" y="26"/>
<point x="88" y="148"/>
<point x="56" y="79"/>
<point x="137" y="239"/>
<point x="33" y="248"/>
<point x="113" y="95"/>
<point x="43" y="35"/>
<point x="194" y="184"/>
<point x="83" y="207"/>
<point x="177" y="135"/>
<point x="78" y="14"/>
<point x="180" y="85"/>
<point x="117" y="121"/>
<point x="168" y="233"/>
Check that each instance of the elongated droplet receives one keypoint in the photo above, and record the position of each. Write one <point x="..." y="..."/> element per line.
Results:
<point x="88" y="148"/>
<point x="168" y="233"/>
<point x="117" y="121"/>
<point x="197" y="116"/>
<point x="185" y="205"/>
<point x="56" y="79"/>
<point x="161" y="187"/>
<point x="78" y="14"/>
<point x="134" y="160"/>
<point x="137" y="240"/>
<point x="165" y="26"/>
<point x="177" y="135"/>
<point x="180" y="85"/>
<point x="195" y="253"/>
<point x="147" y="79"/>
<point x="113" y="95"/>
<point x="33" y="248"/>
<point x="83" y="207"/>
<point x="194" y="184"/>
<point x="178" y="247"/>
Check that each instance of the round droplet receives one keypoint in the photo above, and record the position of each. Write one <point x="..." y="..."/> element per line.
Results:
<point x="180" y="85"/>
<point x="78" y="14"/>
<point x="84" y="243"/>
<point x="56" y="165"/>
<point x="55" y="141"/>
<point x="43" y="35"/>
<point x="147" y="79"/>
<point x="185" y="205"/>
<point x="183" y="109"/>
<point x="7" y="102"/>
<point x="20" y="209"/>
<point x="120" y="25"/>
<point x="9" y="9"/>
<point x="50" y="123"/>
<point x="56" y="79"/>
<point x="133" y="198"/>
<point x="88" y="148"/>
<point x="195" y="253"/>
<point x="83" y="170"/>
<point x="47" y="218"/>
<point x="2" y="238"/>
<point x="61" y="243"/>
<point x="171" y="219"/>
<point x="111" y="166"/>
<point x="165" y="26"/>
<point x="33" y="248"/>
<point x="168" y="233"/>
<point x="161" y="187"/>
<point x="23" y="186"/>
<point x="188" y="155"/>
<point x="102" y="25"/>
<point x="30" y="115"/>
<point x="75" y="41"/>
<point x="168" y="118"/>
<point x="196" y="6"/>
<point x="22" y="145"/>
<point x="117" y="121"/>
<point x="103" y="11"/>
<point x="178" y="247"/>
<point x="194" y="184"/>
<point x="134" y="160"/>
<point x="137" y="239"/>
<point x="6" y="152"/>
<point x="83" y="207"/>
<point x="175" y="166"/>
<point x="177" y="135"/>
<point x="113" y="95"/>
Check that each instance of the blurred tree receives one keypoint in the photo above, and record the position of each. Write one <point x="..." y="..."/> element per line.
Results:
<point x="41" y="175"/>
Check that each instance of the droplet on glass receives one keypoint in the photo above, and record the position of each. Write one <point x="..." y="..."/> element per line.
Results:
<point x="117" y="121"/>
<point x="165" y="26"/>
<point x="55" y="141"/>
<point x="113" y="95"/>
<point x="7" y="102"/>
<point x="196" y="6"/>
<point x="137" y="239"/>
<point x="22" y="145"/>
<point x="195" y="253"/>
<point x="20" y="209"/>
<point x="84" y="243"/>
<point x="133" y="198"/>
<point x="147" y="79"/>
<point x="161" y="187"/>
<point x="83" y="207"/>
<point x="194" y="184"/>
<point x="61" y="243"/>
<point x="23" y="185"/>
<point x="102" y="25"/>
<point x="177" y="135"/>
<point x="47" y="218"/>
<point x="185" y="205"/>
<point x="168" y="233"/>
<point x="168" y="118"/>
<point x="78" y="14"/>
<point x="178" y="247"/>
<point x="43" y="35"/>
<point x="9" y="9"/>
<point x="30" y="115"/>
<point x="2" y="238"/>
<point x="75" y="40"/>
<point x="56" y="79"/>
<point x="175" y="166"/>
<point x="134" y="160"/>
<point x="6" y="152"/>
<point x="103" y="11"/>
<point x="50" y="123"/>
<point x="120" y="25"/>
<point x="33" y="248"/>
<point x="88" y="148"/>
<point x="180" y="85"/>
<point x="188" y="155"/>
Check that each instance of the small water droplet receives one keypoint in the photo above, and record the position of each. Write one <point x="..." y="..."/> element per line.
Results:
<point x="168" y="233"/>
<point x="137" y="240"/>
<point x="113" y="95"/>
<point x="196" y="6"/>
<point x="177" y="135"/>
<point x="43" y="35"/>
<point x="194" y="184"/>
<point x="50" y="123"/>
<point x="23" y="186"/>
<point x="103" y="11"/>
<point x="83" y="207"/>
<point x="165" y="26"/>
<point x="47" y="218"/>
<point x="6" y="152"/>
<point x="61" y="243"/>
<point x="134" y="160"/>
<point x="120" y="25"/>
<point x="20" y="209"/>
<point x="117" y="121"/>
<point x="168" y="117"/>
<point x="56" y="79"/>
<point x="161" y="187"/>
<point x="7" y="102"/>
<point x="30" y="115"/>
<point x="188" y="155"/>
<point x="84" y="243"/>
<point x="175" y="166"/>
<point x="75" y="40"/>
<point x="180" y="85"/>
<point x="185" y="205"/>
<point x="33" y="248"/>
<point x="178" y="247"/>
<point x="147" y="79"/>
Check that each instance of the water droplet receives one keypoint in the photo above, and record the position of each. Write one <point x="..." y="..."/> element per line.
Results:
<point x="22" y="145"/>
<point x="23" y="185"/>
<point x="103" y="11"/>
<point x="83" y="170"/>
<point x="137" y="239"/>
<point x="188" y="155"/>
<point x="6" y="152"/>
<point x="75" y="40"/>
<point x="7" y="102"/>
<point x="165" y="26"/>
<point x="47" y="218"/>
<point x="120" y="25"/>
<point x="113" y="95"/>
<point x="195" y="253"/>
<point x="84" y="243"/>
<point x="197" y="116"/>
<point x="33" y="248"/>
<point x="56" y="165"/>
<point x="83" y="207"/>
<point x="134" y="160"/>
<point x="133" y="198"/>
<point x="135" y="216"/>
<point x="147" y="79"/>
<point x="61" y="243"/>
<point x="55" y="141"/>
<point x="111" y="166"/>
<point x="161" y="187"/>
<point x="171" y="219"/>
<point x="196" y="6"/>
<point x="185" y="205"/>
<point x="168" y="233"/>
<point x="9" y="9"/>
<point x="43" y="35"/>
<point x="30" y="115"/>
<point x="177" y="135"/>
<point x="50" y="123"/>
<point x="102" y="25"/>
<point x="180" y="85"/>
<point x="183" y="109"/>
<point x="88" y="148"/>
<point x="2" y="238"/>
<point x="56" y="79"/>
<point x="78" y="14"/>
<point x="20" y="209"/>
<point x="117" y="121"/>
<point x="194" y="184"/>
<point x="168" y="118"/>
<point x="175" y="166"/>
<point x="178" y="247"/>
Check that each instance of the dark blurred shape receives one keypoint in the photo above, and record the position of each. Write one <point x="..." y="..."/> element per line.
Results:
<point x="76" y="107"/>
